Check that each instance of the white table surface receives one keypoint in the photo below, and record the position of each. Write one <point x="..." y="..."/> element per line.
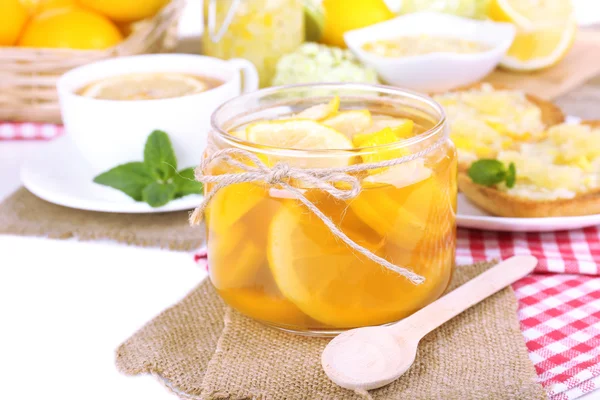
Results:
<point x="66" y="305"/>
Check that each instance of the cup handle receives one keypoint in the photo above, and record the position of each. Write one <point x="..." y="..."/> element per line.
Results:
<point x="249" y="74"/>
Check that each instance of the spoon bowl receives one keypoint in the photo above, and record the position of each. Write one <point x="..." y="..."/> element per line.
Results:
<point x="371" y="354"/>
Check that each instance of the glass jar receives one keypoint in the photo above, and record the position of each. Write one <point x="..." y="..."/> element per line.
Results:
<point x="260" y="31"/>
<point x="271" y="258"/>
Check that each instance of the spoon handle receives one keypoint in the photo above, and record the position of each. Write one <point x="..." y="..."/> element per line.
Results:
<point x="477" y="289"/>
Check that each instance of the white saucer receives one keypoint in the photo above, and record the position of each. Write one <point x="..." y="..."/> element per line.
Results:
<point x="57" y="173"/>
<point x="470" y="216"/>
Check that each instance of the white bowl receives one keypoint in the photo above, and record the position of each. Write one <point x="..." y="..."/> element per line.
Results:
<point x="112" y="132"/>
<point x="439" y="71"/>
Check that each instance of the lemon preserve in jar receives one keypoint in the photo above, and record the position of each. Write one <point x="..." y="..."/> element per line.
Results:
<point x="260" y="31"/>
<point x="330" y="211"/>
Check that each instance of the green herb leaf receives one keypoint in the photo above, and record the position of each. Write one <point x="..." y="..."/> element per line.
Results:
<point x="130" y="178"/>
<point x="186" y="183"/>
<point x="159" y="156"/>
<point x="511" y="175"/>
<point x="487" y="172"/>
<point x="158" y="194"/>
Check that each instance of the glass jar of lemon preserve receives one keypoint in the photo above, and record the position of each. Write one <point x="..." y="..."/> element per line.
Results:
<point x="260" y="31"/>
<point x="311" y="186"/>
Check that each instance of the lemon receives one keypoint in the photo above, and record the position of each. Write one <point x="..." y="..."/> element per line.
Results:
<point x="350" y="122"/>
<point x="236" y="256"/>
<point x="73" y="28"/>
<point x="226" y="209"/>
<point x="382" y="137"/>
<point x="401" y="127"/>
<point x="264" y="307"/>
<point x="319" y="273"/>
<point x="321" y="111"/>
<point x="546" y="31"/>
<point x="529" y="15"/>
<point x="38" y="6"/>
<point x="304" y="134"/>
<point x="345" y="15"/>
<point x="542" y="48"/>
<point x="235" y="252"/>
<point x="145" y="86"/>
<point x="125" y="10"/>
<point x="13" y="16"/>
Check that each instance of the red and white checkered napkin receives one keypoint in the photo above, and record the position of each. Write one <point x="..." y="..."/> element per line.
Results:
<point x="29" y="131"/>
<point x="559" y="306"/>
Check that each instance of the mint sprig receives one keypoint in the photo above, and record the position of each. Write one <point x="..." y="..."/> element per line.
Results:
<point x="489" y="172"/>
<point x="156" y="180"/>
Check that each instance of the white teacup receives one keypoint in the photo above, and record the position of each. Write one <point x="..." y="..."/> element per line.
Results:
<point x="113" y="132"/>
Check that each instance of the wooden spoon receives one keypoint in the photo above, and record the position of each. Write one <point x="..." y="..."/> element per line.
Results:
<point x="372" y="357"/>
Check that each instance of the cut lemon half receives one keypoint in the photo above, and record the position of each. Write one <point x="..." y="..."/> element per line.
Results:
<point x="145" y="86"/>
<point x="350" y="122"/>
<point x="542" y="48"/>
<point x="302" y="134"/>
<point x="321" y="111"/>
<point x="530" y="15"/>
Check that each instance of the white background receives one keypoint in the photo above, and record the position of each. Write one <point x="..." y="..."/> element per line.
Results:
<point x="65" y="305"/>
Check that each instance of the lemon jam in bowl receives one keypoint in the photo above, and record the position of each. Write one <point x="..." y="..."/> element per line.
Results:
<point x="300" y="249"/>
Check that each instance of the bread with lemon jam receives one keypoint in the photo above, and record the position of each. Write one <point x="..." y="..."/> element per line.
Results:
<point x="559" y="176"/>
<point x="486" y="119"/>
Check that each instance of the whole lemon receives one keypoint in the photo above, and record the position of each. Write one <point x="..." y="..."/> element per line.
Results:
<point x="13" y="16"/>
<point x="125" y="10"/>
<point x="72" y="28"/>
<point x="344" y="15"/>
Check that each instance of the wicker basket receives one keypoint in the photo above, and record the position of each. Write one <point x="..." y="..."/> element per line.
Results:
<point x="28" y="76"/>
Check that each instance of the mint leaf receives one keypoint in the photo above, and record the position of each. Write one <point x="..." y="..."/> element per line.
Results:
<point x="487" y="172"/>
<point x="511" y="175"/>
<point x="130" y="178"/>
<point x="158" y="194"/>
<point x="159" y="156"/>
<point x="186" y="183"/>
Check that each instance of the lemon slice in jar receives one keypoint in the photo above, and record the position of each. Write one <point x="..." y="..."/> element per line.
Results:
<point x="301" y="134"/>
<point x="327" y="280"/>
<point x="350" y="122"/>
<point x="265" y="307"/>
<point x="145" y="86"/>
<point x="321" y="111"/>
<point x="401" y="127"/>
<point x="401" y="202"/>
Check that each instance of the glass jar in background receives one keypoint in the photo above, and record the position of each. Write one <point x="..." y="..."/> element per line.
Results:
<point x="260" y="31"/>
<point x="274" y="260"/>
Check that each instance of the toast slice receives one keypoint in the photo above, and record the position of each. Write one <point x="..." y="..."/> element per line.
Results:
<point x="550" y="113"/>
<point x="503" y="204"/>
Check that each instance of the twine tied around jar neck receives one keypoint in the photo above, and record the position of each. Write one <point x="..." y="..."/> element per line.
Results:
<point x="319" y="178"/>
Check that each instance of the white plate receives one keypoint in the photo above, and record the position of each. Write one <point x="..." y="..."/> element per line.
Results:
<point x="57" y="173"/>
<point x="470" y="216"/>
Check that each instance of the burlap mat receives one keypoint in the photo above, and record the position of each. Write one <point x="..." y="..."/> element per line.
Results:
<point x="478" y="355"/>
<point x="27" y="215"/>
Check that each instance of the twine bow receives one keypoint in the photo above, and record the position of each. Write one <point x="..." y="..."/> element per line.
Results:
<point x="280" y="174"/>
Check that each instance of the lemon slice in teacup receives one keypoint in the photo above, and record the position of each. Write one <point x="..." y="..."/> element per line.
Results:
<point x="145" y="86"/>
